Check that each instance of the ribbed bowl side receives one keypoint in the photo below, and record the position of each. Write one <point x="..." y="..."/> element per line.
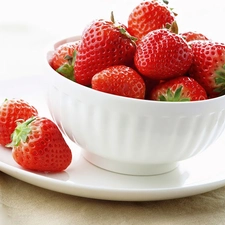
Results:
<point x="128" y="137"/>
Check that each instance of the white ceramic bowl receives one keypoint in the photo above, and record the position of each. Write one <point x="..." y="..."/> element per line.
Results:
<point x="131" y="136"/>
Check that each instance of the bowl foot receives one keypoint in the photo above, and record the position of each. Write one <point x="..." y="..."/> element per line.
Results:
<point x="127" y="167"/>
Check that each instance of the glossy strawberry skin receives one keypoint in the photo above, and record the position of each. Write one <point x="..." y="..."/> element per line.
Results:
<point x="193" y="35"/>
<point x="102" y="45"/>
<point x="62" y="58"/>
<point x="12" y="110"/>
<point x="162" y="55"/>
<point x="190" y="90"/>
<point x="148" y="16"/>
<point x="208" y="67"/>
<point x="120" y="80"/>
<point x="58" y="57"/>
<point x="44" y="149"/>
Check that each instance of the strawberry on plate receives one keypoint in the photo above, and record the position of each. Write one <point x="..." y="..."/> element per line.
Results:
<point x="103" y="44"/>
<point x="208" y="67"/>
<point x="178" y="89"/>
<point x="38" y="145"/>
<point x="64" y="57"/>
<point x="120" y="80"/>
<point x="11" y="111"/>
<point x="149" y="15"/>
<point x="193" y="35"/>
<point x="162" y="55"/>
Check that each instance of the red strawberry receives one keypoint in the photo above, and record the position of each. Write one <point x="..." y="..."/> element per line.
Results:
<point x="39" y="145"/>
<point x="193" y="35"/>
<point x="63" y="59"/>
<point x="119" y="80"/>
<point x="12" y="110"/>
<point x="103" y="44"/>
<point x="162" y="55"/>
<point x="208" y="66"/>
<point x="179" y="89"/>
<point x="148" y="16"/>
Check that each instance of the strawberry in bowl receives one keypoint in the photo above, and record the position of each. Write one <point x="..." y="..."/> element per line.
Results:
<point x="104" y="43"/>
<point x="162" y="54"/>
<point x="208" y="67"/>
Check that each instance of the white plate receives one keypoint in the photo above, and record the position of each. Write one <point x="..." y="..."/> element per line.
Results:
<point x="199" y="174"/>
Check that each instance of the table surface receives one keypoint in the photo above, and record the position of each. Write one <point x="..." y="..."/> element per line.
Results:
<point x="27" y="28"/>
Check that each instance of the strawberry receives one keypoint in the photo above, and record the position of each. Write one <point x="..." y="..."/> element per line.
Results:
<point x="178" y="89"/>
<point x="148" y="16"/>
<point x="38" y="145"/>
<point x="119" y="80"/>
<point x="104" y="43"/>
<point x="64" y="57"/>
<point x="12" y="110"/>
<point x="208" y="66"/>
<point x="162" y="55"/>
<point x="193" y="35"/>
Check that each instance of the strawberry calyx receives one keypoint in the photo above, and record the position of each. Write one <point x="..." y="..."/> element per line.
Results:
<point x="171" y="96"/>
<point x="166" y="2"/>
<point x="122" y="29"/>
<point x="21" y="132"/>
<point x="220" y="81"/>
<point x="67" y="69"/>
<point x="173" y="28"/>
<point x="124" y="32"/>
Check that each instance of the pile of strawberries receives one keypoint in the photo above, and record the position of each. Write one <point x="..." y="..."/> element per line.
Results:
<point x="146" y="59"/>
